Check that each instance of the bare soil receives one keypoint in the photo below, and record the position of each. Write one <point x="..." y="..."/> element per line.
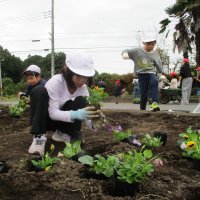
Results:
<point x="178" y="179"/>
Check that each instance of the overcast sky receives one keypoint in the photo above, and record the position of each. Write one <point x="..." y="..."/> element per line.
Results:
<point x="101" y="27"/>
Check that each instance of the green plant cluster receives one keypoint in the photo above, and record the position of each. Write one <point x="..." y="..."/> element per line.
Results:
<point x="72" y="149"/>
<point x="97" y="95"/>
<point x="18" y="109"/>
<point x="131" y="167"/>
<point x="150" y="141"/>
<point x="189" y="142"/>
<point x="47" y="161"/>
<point x="121" y="135"/>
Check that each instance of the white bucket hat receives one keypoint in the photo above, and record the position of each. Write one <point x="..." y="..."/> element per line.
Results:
<point x="80" y="63"/>
<point x="33" y="68"/>
<point x="149" y="38"/>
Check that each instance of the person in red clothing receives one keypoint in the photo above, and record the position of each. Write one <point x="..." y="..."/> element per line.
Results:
<point x="119" y="89"/>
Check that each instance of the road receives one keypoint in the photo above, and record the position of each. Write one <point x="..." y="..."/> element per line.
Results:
<point x="164" y="107"/>
<point x="130" y="106"/>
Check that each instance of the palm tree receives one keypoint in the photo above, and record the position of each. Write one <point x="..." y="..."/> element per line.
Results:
<point x="187" y="29"/>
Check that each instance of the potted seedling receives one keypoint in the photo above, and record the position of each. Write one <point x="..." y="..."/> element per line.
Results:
<point x="97" y="95"/>
<point x="150" y="141"/>
<point x="100" y="167"/>
<point x="123" y="135"/>
<point x="134" y="168"/>
<point x="189" y="143"/>
<point x="73" y="150"/>
<point x="162" y="135"/>
<point x="45" y="163"/>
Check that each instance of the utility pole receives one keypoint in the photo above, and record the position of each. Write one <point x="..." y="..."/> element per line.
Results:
<point x="1" y="59"/>
<point x="52" y="40"/>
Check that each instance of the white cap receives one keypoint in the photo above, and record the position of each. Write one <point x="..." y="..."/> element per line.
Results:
<point x="149" y="38"/>
<point x="80" y="63"/>
<point x="33" y="68"/>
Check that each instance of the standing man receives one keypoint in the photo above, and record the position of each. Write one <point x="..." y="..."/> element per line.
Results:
<point x="147" y="65"/>
<point x="186" y="81"/>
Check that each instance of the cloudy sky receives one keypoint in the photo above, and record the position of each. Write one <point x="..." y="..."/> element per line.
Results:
<point x="101" y="27"/>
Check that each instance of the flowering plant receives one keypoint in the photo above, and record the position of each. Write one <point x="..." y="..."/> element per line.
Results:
<point x="97" y="95"/>
<point x="47" y="161"/>
<point x="151" y="141"/>
<point x="120" y="135"/>
<point x="189" y="142"/>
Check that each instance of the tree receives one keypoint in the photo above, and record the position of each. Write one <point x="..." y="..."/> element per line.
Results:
<point x="187" y="29"/>
<point x="11" y="66"/>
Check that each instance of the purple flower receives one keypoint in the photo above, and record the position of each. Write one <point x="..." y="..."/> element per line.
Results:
<point x="136" y="142"/>
<point x="114" y="128"/>
<point x="198" y="131"/>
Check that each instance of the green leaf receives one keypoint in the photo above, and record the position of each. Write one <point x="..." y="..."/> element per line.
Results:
<point x="87" y="160"/>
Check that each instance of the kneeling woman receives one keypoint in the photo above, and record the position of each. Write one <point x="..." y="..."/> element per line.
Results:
<point x="61" y="105"/>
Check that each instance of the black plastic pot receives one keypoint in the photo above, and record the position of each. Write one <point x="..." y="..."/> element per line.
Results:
<point x="31" y="167"/>
<point x="162" y="135"/>
<point x="78" y="155"/>
<point x="124" y="189"/>
<point x="3" y="167"/>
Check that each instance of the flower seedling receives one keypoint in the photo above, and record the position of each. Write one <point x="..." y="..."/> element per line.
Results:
<point x="72" y="149"/>
<point x="101" y="165"/>
<point x="47" y="161"/>
<point x="97" y="95"/>
<point x="135" y="166"/>
<point x="151" y="141"/>
<point x="189" y="142"/>
<point x="120" y="135"/>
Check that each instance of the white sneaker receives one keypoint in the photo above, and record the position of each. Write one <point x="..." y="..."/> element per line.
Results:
<point x="38" y="145"/>
<point x="60" y="137"/>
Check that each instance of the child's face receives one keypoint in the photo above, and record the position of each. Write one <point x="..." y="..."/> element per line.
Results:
<point x="32" y="80"/>
<point x="149" y="46"/>
<point x="79" y="81"/>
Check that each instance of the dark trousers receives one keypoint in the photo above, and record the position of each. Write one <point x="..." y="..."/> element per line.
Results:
<point x="148" y="82"/>
<point x="40" y="119"/>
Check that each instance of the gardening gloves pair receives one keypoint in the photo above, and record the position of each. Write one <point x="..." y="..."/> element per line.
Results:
<point x="84" y="114"/>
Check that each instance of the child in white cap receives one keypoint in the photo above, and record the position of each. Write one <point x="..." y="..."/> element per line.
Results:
<point x="147" y="65"/>
<point x="33" y="78"/>
<point x="61" y="105"/>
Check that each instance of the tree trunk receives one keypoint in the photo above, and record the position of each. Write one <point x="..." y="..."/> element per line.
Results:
<point x="197" y="43"/>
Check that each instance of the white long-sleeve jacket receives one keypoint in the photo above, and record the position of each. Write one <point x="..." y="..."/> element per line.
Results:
<point x="59" y="94"/>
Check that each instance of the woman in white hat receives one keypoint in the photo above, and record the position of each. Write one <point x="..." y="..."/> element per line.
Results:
<point x="60" y="106"/>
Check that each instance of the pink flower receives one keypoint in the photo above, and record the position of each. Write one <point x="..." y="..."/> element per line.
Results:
<point x="158" y="162"/>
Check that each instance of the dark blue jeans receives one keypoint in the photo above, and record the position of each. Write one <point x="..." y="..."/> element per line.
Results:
<point x="148" y="84"/>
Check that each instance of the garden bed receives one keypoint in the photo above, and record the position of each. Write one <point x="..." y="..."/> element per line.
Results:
<point x="178" y="179"/>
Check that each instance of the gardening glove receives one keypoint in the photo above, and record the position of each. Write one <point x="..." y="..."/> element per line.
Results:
<point x="84" y="113"/>
<point x="25" y="99"/>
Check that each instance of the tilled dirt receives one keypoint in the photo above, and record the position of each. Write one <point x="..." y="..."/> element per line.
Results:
<point x="178" y="179"/>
